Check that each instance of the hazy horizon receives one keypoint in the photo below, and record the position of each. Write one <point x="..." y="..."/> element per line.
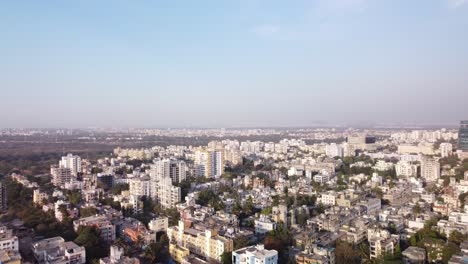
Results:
<point x="233" y="64"/>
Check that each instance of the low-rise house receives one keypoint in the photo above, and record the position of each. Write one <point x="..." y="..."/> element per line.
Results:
<point x="56" y="250"/>
<point x="104" y="225"/>
<point x="255" y="254"/>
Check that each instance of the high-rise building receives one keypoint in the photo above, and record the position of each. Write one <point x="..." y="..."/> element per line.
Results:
<point x="60" y="175"/>
<point x="3" y="198"/>
<point x="71" y="162"/>
<point x="430" y="169"/>
<point x="463" y="136"/>
<point x="209" y="162"/>
<point x="172" y="168"/>
<point x="334" y="150"/>
<point x="167" y="194"/>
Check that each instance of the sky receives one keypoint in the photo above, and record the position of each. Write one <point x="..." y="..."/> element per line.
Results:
<point x="232" y="63"/>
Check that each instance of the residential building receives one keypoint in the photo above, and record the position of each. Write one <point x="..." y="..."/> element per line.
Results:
<point x="381" y="242"/>
<point x="172" y="168"/>
<point x="159" y="224"/>
<point x="71" y="162"/>
<point x="7" y="240"/>
<point x="406" y="169"/>
<point x="445" y="149"/>
<point x="203" y="242"/>
<point x="104" y="225"/>
<point x="168" y="194"/>
<point x="39" y="197"/>
<point x="60" y="175"/>
<point x="430" y="169"/>
<point x="414" y="255"/>
<point x="264" y="225"/>
<point x="56" y="250"/>
<point x="255" y="254"/>
<point x="334" y="150"/>
<point x="117" y="257"/>
<point x="209" y="162"/>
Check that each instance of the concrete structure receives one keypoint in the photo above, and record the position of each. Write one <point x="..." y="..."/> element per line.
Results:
<point x="430" y="169"/>
<point x="159" y="224"/>
<point x="254" y="254"/>
<point x="104" y="225"/>
<point x="60" y="175"/>
<point x="7" y="240"/>
<point x="206" y="242"/>
<point x="445" y="149"/>
<point x="172" y="168"/>
<point x="71" y="162"/>
<point x="56" y="250"/>
<point x="39" y="197"/>
<point x="414" y="255"/>
<point x="117" y="257"/>
<point x="406" y="169"/>
<point x="209" y="162"/>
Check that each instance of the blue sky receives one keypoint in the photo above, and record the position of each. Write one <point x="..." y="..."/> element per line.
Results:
<point x="232" y="63"/>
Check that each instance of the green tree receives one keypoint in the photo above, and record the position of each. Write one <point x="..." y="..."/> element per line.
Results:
<point x="226" y="258"/>
<point x="95" y="246"/>
<point x="88" y="211"/>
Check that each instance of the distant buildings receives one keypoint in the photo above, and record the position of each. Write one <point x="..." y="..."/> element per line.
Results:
<point x="463" y="136"/>
<point x="255" y="254"/>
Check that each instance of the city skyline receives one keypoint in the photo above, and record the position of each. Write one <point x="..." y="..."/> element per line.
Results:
<point x="233" y="64"/>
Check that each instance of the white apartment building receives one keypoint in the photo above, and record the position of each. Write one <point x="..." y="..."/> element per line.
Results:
<point x="104" y="225"/>
<point x="264" y="225"/>
<point x="381" y="242"/>
<point x="445" y="149"/>
<point x="328" y="198"/>
<point x="383" y="166"/>
<point x="321" y="178"/>
<point x="430" y="169"/>
<point x="7" y="240"/>
<point x="255" y="254"/>
<point x="56" y="250"/>
<point x="167" y="194"/>
<point x="209" y="162"/>
<point x="334" y="150"/>
<point x="140" y="186"/>
<point x="172" y="168"/>
<point x="406" y="169"/>
<point x="71" y="162"/>
<point x="159" y="224"/>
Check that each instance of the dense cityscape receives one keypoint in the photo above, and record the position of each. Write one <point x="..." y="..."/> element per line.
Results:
<point x="234" y="132"/>
<point x="297" y="195"/>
